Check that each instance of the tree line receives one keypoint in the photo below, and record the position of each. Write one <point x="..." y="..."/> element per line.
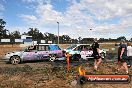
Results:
<point x="37" y="35"/>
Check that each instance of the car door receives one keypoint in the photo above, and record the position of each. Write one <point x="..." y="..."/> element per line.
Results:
<point x="43" y="52"/>
<point x="55" y="49"/>
<point x="30" y="54"/>
<point x="86" y="52"/>
<point x="76" y="50"/>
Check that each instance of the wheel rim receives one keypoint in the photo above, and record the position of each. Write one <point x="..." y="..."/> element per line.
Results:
<point x="52" y="58"/>
<point x="102" y="55"/>
<point x="15" y="60"/>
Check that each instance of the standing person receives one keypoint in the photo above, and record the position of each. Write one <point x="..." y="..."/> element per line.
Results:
<point x="122" y="56"/>
<point x="129" y="53"/>
<point x="96" y="54"/>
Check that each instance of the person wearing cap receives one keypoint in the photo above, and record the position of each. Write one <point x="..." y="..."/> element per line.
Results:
<point x="96" y="54"/>
<point x="122" y="56"/>
<point x="129" y="54"/>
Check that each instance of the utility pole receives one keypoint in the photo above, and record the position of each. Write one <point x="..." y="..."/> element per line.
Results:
<point x="58" y="32"/>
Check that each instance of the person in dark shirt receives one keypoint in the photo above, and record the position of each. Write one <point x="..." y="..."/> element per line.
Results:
<point x="122" y="56"/>
<point x="96" y="54"/>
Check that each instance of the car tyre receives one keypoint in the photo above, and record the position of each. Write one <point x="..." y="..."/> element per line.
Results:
<point x="52" y="57"/>
<point x="81" y="80"/>
<point x="102" y="55"/>
<point x="15" y="60"/>
<point x="76" y="57"/>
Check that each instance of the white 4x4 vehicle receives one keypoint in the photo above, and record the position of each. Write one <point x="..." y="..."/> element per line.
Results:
<point x="83" y="51"/>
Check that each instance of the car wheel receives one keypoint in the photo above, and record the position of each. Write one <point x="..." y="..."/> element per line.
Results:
<point x="52" y="57"/>
<point x="81" y="80"/>
<point x="102" y="55"/>
<point x="15" y="60"/>
<point x="76" y="57"/>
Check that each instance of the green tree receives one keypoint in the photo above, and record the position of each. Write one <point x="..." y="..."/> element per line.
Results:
<point x="120" y="38"/>
<point x="131" y="39"/>
<point x="65" y="39"/>
<point x="35" y="33"/>
<point x="2" y="30"/>
<point x="2" y="23"/>
<point x="50" y="37"/>
<point x="16" y="34"/>
<point x="24" y="33"/>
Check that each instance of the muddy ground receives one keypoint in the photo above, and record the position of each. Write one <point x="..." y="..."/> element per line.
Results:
<point x="45" y="74"/>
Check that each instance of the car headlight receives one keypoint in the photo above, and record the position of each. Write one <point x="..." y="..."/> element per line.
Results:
<point x="8" y="54"/>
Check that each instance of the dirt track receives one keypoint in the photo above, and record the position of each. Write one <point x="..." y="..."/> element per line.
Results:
<point x="51" y="75"/>
<point x="45" y="74"/>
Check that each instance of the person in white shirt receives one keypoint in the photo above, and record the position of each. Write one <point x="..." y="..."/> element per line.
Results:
<point x="129" y="53"/>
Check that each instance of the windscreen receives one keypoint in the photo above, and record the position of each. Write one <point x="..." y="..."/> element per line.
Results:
<point x="54" y="47"/>
<point x="72" y="46"/>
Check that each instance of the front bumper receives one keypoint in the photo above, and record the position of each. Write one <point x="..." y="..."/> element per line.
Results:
<point x="6" y="58"/>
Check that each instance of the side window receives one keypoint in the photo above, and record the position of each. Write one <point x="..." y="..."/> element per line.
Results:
<point x="47" y="48"/>
<point x="84" y="48"/>
<point x="39" y="48"/>
<point x="43" y="48"/>
<point x="81" y="48"/>
<point x="78" y="48"/>
<point x="32" y="47"/>
<point x="88" y="47"/>
<point x="57" y="47"/>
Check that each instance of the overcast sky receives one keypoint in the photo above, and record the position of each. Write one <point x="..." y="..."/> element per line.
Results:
<point x="106" y="18"/>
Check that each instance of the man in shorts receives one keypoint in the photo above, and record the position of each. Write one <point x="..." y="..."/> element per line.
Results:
<point x="96" y="54"/>
<point x="122" y="56"/>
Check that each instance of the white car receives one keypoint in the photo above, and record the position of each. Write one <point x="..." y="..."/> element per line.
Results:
<point x="83" y="51"/>
<point x="37" y="52"/>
